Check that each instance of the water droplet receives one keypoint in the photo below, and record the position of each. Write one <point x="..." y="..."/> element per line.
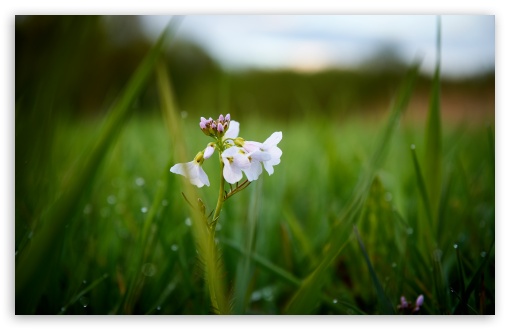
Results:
<point x="388" y="196"/>
<point x="84" y="301"/>
<point x="164" y="202"/>
<point x="455" y="246"/>
<point x="87" y="209"/>
<point x="413" y="147"/>
<point x="394" y="265"/>
<point x="16" y="253"/>
<point x="149" y="269"/>
<point x="140" y="181"/>
<point x="188" y="222"/>
<point x="84" y="282"/>
<point x="184" y="114"/>
<point x="335" y="301"/>
<point x="483" y="254"/>
<point x="158" y="308"/>
<point x="111" y="199"/>
<point x="144" y="209"/>
<point x="410" y="231"/>
<point x="63" y="309"/>
<point x="256" y="295"/>
<point x="267" y="293"/>
<point x="175" y="247"/>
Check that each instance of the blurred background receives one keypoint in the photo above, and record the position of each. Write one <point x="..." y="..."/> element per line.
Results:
<point x="327" y="82"/>
<point x="357" y="53"/>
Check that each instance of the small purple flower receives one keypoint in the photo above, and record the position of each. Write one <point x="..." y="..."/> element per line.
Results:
<point x="419" y="302"/>
<point x="403" y="303"/>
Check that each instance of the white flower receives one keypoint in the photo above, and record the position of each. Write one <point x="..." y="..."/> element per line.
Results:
<point x="269" y="147"/>
<point x="255" y="169"/>
<point x="193" y="171"/>
<point x="232" y="131"/>
<point x="235" y="160"/>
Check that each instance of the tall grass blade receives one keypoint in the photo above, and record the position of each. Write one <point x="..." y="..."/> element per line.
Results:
<point x="35" y="264"/>
<point x="421" y="186"/>
<point x="433" y="131"/>
<point x="83" y="292"/>
<point x="307" y="296"/>
<point x="243" y="271"/>
<point x="462" y="282"/>
<point x="208" y="252"/>
<point x="385" y="304"/>
<point x="475" y="280"/>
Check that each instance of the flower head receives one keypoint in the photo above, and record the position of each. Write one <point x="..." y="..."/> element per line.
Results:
<point x="269" y="147"/>
<point x="193" y="170"/>
<point x="237" y="155"/>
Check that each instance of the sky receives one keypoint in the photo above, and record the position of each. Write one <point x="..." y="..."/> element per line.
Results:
<point x="315" y="42"/>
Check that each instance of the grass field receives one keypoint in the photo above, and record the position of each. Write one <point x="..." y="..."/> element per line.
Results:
<point x="360" y="212"/>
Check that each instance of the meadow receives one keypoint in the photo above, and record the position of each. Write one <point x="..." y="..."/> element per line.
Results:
<point x="363" y="209"/>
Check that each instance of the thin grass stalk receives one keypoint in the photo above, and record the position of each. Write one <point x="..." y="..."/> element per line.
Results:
<point x="208" y="253"/>
<point x="433" y="145"/>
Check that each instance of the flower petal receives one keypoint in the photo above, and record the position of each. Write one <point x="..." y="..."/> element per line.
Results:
<point x="231" y="173"/>
<point x="203" y="176"/>
<point x="254" y="171"/>
<point x="273" y="140"/>
<point x="232" y="131"/>
<point x="208" y="152"/>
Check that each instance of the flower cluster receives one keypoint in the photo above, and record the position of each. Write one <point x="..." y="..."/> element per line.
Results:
<point x="237" y="155"/>
<point x="408" y="307"/>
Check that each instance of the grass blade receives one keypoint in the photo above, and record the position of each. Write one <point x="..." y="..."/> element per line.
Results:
<point x="306" y="297"/>
<point x="421" y="185"/>
<point x="474" y="281"/>
<point x="208" y="252"/>
<point x="32" y="267"/>
<point x="433" y="131"/>
<point x="385" y="304"/>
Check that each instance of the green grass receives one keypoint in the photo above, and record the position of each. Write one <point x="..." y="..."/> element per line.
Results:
<point x="358" y="213"/>
<point x="273" y="234"/>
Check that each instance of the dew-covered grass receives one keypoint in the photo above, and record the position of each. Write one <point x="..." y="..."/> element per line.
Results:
<point x="289" y="215"/>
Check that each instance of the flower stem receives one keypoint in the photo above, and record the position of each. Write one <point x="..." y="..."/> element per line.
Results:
<point x="221" y="199"/>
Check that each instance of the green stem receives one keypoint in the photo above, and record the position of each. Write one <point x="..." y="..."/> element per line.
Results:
<point x="221" y="199"/>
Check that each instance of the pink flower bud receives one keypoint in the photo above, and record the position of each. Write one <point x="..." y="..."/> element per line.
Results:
<point x="221" y="119"/>
<point x="227" y="117"/>
<point x="220" y="127"/>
